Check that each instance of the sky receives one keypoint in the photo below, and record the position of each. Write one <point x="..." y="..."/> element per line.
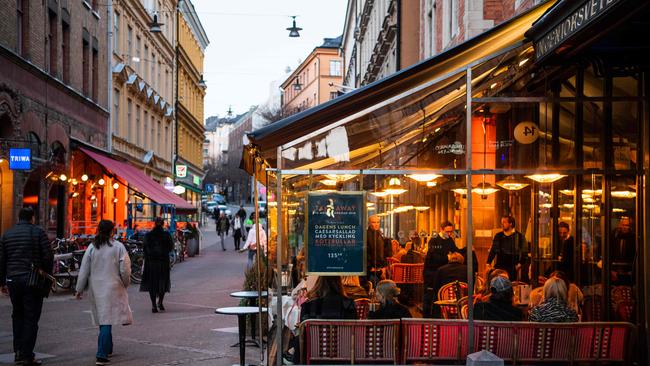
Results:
<point x="250" y="46"/>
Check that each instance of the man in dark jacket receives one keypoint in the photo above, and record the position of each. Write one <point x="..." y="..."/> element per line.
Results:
<point x="567" y="250"/>
<point x="440" y="245"/>
<point x="510" y="249"/>
<point x="453" y="271"/>
<point x="223" y="226"/>
<point x="500" y="306"/>
<point x="377" y="250"/>
<point x="21" y="246"/>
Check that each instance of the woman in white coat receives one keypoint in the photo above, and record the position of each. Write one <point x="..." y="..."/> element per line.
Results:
<point x="105" y="274"/>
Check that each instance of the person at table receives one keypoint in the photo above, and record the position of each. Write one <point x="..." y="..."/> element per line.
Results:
<point x="510" y="249"/>
<point x="389" y="307"/>
<point x="251" y="242"/>
<point x="440" y="246"/>
<point x="378" y="249"/>
<point x="453" y="271"/>
<point x="412" y="256"/>
<point x="353" y="288"/>
<point x="500" y="305"/>
<point x="567" y="250"/>
<point x="554" y="308"/>
<point x="575" y="296"/>
<point x="622" y="253"/>
<point x="328" y="300"/>
<point x="158" y="243"/>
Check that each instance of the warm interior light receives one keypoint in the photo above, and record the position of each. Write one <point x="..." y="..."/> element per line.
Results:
<point x="340" y="177"/>
<point x="588" y="199"/>
<point x="567" y="192"/>
<point x="592" y="192"/>
<point x="329" y="182"/>
<point x="115" y="200"/>
<point x="394" y="187"/>
<point x="101" y="181"/>
<point x="93" y="197"/>
<point x="546" y="205"/>
<point x="461" y="191"/>
<point x="75" y="194"/>
<point x="424" y="177"/>
<point x="511" y="183"/>
<point x="484" y="189"/>
<point x="63" y="177"/>
<point x="379" y="193"/>
<point x="73" y="182"/>
<point x="404" y="208"/>
<point x="523" y="62"/>
<point x="432" y="184"/>
<point x="84" y="178"/>
<point x="568" y="205"/>
<point x="589" y="207"/>
<point x="272" y="204"/>
<point x="116" y="185"/>
<point x="291" y="212"/>
<point x="618" y="210"/>
<point x="325" y="190"/>
<point x="421" y="208"/>
<point x="546" y="178"/>
<point x="624" y="193"/>
<point x="370" y="204"/>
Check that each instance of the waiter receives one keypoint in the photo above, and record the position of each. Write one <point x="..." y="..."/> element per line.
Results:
<point x="622" y="253"/>
<point x="510" y="249"/>
<point x="567" y="251"/>
<point x="440" y="245"/>
<point x="378" y="249"/>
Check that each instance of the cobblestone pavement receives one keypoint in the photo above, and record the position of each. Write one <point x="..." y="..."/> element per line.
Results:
<point x="188" y="333"/>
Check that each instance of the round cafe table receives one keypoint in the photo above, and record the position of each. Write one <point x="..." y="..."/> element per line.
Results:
<point x="241" y="312"/>
<point x="251" y="300"/>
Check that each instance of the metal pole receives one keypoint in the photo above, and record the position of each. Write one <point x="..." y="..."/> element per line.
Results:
<point x="259" y="263"/>
<point x="109" y="59"/>
<point x="470" y="257"/>
<point x="278" y="318"/>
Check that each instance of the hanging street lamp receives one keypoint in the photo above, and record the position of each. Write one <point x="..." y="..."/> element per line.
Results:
<point x="293" y="30"/>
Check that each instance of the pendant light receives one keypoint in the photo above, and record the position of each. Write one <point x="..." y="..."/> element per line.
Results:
<point x="394" y="187"/>
<point x="484" y="189"/>
<point x="293" y="30"/>
<point x="622" y="192"/>
<point x="512" y="183"/>
<point x="424" y="177"/>
<point x="546" y="178"/>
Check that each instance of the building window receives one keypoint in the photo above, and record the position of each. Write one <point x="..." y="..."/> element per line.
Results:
<point x="158" y="83"/>
<point x="159" y="142"/>
<point x="144" y="67"/>
<point x="137" y="124"/>
<point x="153" y="69"/>
<point x="65" y="51"/>
<point x="116" y="112"/>
<point x="95" y="74"/>
<point x="335" y="68"/>
<point x="333" y="95"/>
<point x="138" y="48"/>
<point x="22" y="27"/>
<point x="129" y="111"/>
<point x="53" y="44"/>
<point x="453" y="17"/>
<point x="153" y="128"/>
<point x="166" y="149"/>
<point x="129" y="42"/>
<point x="85" y="66"/>
<point x="116" y="32"/>
<point x="145" y="130"/>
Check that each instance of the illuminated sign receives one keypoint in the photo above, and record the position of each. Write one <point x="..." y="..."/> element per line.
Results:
<point x="181" y="171"/>
<point x="20" y="159"/>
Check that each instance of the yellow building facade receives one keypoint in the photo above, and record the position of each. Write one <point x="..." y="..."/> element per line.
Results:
<point x="192" y="41"/>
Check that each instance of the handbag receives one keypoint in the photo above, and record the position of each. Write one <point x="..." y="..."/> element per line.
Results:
<point x="39" y="280"/>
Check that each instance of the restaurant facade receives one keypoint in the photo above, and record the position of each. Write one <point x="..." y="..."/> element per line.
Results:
<point x="543" y="119"/>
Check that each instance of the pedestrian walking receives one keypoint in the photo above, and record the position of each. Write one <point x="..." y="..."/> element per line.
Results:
<point x="237" y="231"/>
<point x="23" y="247"/>
<point x="105" y="274"/>
<point x="158" y="243"/>
<point x="223" y="226"/>
<point x="251" y="242"/>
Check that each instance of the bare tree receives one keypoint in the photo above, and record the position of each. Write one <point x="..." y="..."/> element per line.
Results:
<point x="272" y="114"/>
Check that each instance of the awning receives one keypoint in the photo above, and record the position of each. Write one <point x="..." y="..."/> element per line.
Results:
<point x="139" y="181"/>
<point x="501" y="37"/>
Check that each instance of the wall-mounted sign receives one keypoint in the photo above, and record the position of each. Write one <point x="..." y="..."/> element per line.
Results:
<point x="197" y="180"/>
<point x="20" y="159"/>
<point x="168" y="183"/>
<point x="181" y="171"/>
<point x="336" y="233"/>
<point x="209" y="188"/>
<point x="526" y="132"/>
<point x="580" y="18"/>
<point x="456" y="148"/>
<point x="179" y="189"/>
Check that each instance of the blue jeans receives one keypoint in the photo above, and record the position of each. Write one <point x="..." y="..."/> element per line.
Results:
<point x="104" y="341"/>
<point x="251" y="257"/>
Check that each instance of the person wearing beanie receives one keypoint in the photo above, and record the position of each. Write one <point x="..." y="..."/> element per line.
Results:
<point x="389" y="308"/>
<point x="500" y="304"/>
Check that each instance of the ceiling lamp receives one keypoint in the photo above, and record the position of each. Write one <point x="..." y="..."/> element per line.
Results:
<point x="546" y="178"/>
<point x="394" y="187"/>
<point x="620" y="210"/>
<point x="546" y="205"/>
<point x="116" y="185"/>
<point x="115" y="200"/>
<point x="619" y="192"/>
<point x="512" y="183"/>
<point x="588" y="199"/>
<point x="458" y="187"/>
<point x="75" y="194"/>
<point x="424" y="177"/>
<point x="404" y="208"/>
<point x="567" y="192"/>
<point x="84" y="177"/>
<point x="568" y="205"/>
<point x="379" y="194"/>
<point x="589" y="207"/>
<point x="592" y="192"/>
<point x="293" y="30"/>
<point x="329" y="182"/>
<point x="101" y="181"/>
<point x="370" y="204"/>
<point x="484" y="189"/>
<point x="63" y="177"/>
<point x="73" y="182"/>
<point x="340" y="177"/>
<point x="421" y="208"/>
<point x="432" y="184"/>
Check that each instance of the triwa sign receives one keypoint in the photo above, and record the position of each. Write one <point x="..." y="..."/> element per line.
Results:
<point x="585" y="14"/>
<point x="336" y="233"/>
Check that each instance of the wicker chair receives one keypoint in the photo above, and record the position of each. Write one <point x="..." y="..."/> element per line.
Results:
<point x="363" y="307"/>
<point x="452" y="291"/>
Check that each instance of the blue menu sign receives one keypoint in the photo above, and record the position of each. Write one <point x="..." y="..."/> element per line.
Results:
<point x="20" y="159"/>
<point x="336" y="233"/>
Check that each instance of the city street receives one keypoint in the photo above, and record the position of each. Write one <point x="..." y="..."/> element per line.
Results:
<point x="188" y="333"/>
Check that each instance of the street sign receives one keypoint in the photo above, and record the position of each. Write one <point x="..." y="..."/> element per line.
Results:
<point x="20" y="159"/>
<point x="209" y="188"/>
<point x="336" y="233"/>
<point x="181" y="171"/>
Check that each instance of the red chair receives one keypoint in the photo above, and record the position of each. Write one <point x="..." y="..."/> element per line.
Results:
<point x="592" y="308"/>
<point x="428" y="340"/>
<point x="622" y="303"/>
<point x="407" y="273"/>
<point x="452" y="291"/>
<point x="363" y="307"/>
<point x="392" y="260"/>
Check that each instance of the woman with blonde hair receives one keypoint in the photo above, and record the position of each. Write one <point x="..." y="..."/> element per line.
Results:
<point x="554" y="307"/>
<point x="389" y="308"/>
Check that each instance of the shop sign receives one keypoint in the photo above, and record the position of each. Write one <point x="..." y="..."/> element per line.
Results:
<point x="168" y="184"/>
<point x="336" y="233"/>
<point x="456" y="148"/>
<point x="20" y="159"/>
<point x="580" y="18"/>
<point x="197" y="181"/>
<point x="181" y="171"/>
<point x="526" y="132"/>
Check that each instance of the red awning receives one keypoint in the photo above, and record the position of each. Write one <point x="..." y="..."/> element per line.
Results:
<point x="139" y="181"/>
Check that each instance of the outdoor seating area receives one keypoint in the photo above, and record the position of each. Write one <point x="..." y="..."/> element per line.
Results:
<point x="429" y="341"/>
